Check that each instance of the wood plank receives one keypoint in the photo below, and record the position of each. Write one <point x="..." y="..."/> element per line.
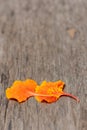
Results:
<point x="34" y="43"/>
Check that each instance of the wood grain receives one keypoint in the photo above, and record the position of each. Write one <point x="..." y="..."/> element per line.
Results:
<point x="34" y="43"/>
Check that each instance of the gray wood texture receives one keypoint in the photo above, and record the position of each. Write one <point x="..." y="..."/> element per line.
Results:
<point x="34" y="43"/>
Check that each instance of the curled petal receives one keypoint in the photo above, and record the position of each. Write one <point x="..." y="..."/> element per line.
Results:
<point x="51" y="91"/>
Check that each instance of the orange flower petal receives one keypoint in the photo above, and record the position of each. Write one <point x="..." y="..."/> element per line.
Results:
<point x="51" y="91"/>
<point x="21" y="90"/>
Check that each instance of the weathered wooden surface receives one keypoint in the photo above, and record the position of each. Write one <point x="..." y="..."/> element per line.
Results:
<point x="34" y="43"/>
